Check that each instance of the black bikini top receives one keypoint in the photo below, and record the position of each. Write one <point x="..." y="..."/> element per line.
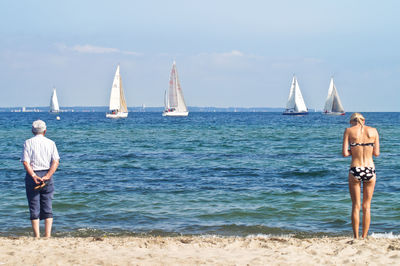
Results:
<point x="361" y="144"/>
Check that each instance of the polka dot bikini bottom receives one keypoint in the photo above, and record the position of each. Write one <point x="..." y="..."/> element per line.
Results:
<point x="362" y="173"/>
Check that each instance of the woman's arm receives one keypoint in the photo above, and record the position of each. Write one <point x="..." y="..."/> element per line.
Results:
<point x="376" y="151"/>
<point x="345" y="147"/>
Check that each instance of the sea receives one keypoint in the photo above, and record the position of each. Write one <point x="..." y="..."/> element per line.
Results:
<point x="211" y="173"/>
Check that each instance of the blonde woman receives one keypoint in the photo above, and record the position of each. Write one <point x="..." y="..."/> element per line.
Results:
<point x="361" y="142"/>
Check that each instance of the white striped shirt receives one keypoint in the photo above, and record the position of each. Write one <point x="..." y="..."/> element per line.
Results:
<point x="39" y="152"/>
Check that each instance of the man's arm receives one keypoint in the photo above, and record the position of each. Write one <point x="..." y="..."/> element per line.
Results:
<point x="30" y="171"/>
<point x="52" y="170"/>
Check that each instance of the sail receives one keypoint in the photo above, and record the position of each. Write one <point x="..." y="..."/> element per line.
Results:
<point x="337" y="105"/>
<point x="333" y="103"/>
<point x="54" y="107"/>
<point x="290" y="102"/>
<point x="166" y="100"/>
<point x="122" y="101"/>
<point x="172" y="92"/>
<point x="295" y="100"/>
<point x="117" y="97"/>
<point x="329" y="97"/>
<point x="181" y="101"/>
<point x="175" y="94"/>
<point x="300" y="104"/>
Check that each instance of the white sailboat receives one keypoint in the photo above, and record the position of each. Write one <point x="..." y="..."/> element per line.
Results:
<point x="54" y="107"/>
<point x="173" y="98"/>
<point x="295" y="104"/>
<point x="333" y="105"/>
<point x="118" y="108"/>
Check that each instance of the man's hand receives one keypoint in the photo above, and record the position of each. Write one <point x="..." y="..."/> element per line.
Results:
<point x="45" y="178"/>
<point x="37" y="179"/>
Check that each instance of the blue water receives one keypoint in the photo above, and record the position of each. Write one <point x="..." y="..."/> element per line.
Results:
<point x="209" y="173"/>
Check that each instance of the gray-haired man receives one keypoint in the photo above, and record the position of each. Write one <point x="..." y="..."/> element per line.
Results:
<point x="40" y="159"/>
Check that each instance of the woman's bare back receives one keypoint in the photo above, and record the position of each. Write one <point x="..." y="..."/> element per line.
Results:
<point x="363" y="142"/>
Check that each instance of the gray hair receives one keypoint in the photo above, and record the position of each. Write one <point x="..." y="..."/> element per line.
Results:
<point x="38" y="127"/>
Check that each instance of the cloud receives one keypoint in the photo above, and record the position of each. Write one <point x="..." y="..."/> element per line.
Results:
<point x="233" y="60"/>
<point x="233" y="53"/>
<point x="130" y="53"/>
<point x="91" y="49"/>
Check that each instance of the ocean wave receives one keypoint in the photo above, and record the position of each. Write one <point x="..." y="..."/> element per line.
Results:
<point x="389" y="235"/>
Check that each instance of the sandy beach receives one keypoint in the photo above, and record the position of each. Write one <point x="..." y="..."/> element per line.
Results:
<point x="199" y="250"/>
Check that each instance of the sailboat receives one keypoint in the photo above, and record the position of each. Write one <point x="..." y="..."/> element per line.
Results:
<point x="118" y="107"/>
<point x="173" y="98"/>
<point x="54" y="107"/>
<point x="295" y="104"/>
<point x="333" y="105"/>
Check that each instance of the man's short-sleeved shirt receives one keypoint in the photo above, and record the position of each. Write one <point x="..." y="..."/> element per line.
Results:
<point x="39" y="152"/>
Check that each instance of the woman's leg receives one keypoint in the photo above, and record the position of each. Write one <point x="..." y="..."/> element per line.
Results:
<point x="355" y="190"/>
<point x="368" y="191"/>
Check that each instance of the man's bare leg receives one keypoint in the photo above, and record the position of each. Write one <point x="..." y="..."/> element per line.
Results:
<point x="35" y="227"/>
<point x="47" y="226"/>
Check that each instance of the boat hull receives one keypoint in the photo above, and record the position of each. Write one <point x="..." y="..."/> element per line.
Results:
<point x="295" y="113"/>
<point x="175" y="113"/>
<point x="333" y="113"/>
<point x="117" y="115"/>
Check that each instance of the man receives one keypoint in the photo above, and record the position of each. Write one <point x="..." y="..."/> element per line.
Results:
<point x="40" y="159"/>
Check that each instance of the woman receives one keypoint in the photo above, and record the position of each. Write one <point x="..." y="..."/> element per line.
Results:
<point x="361" y="143"/>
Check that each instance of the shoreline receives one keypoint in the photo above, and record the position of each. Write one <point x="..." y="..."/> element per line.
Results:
<point x="104" y="233"/>
<point x="185" y="250"/>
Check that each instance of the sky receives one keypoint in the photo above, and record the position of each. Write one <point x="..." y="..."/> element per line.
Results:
<point x="228" y="53"/>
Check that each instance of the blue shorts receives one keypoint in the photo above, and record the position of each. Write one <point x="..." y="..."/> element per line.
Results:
<point x="39" y="200"/>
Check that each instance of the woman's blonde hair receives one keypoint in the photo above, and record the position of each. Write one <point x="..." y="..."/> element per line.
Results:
<point x="359" y="119"/>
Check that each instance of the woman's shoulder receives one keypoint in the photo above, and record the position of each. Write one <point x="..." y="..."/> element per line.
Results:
<point x="349" y="129"/>
<point x="371" y="131"/>
<point x="370" y="128"/>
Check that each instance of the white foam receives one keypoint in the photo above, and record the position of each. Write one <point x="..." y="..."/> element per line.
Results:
<point x="389" y="235"/>
<point x="250" y="236"/>
<point x="270" y="236"/>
